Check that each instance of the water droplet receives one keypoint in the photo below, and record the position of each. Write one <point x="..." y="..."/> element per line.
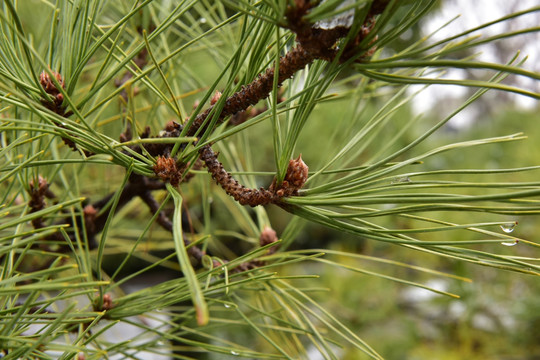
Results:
<point x="160" y="343"/>
<point x="202" y="20"/>
<point x="234" y="353"/>
<point x="400" y="180"/>
<point x="510" y="243"/>
<point x="228" y="306"/>
<point x="509" y="227"/>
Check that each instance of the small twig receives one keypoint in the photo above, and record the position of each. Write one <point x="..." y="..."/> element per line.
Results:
<point x="296" y="176"/>
<point x="153" y="205"/>
<point x="243" y="116"/>
<point x="295" y="60"/>
<point x="240" y="193"/>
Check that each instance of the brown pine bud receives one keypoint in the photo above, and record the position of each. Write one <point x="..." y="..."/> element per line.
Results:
<point x="295" y="178"/>
<point x="167" y="170"/>
<point x="268" y="236"/>
<point x="297" y="173"/>
<point x="41" y="187"/>
<point x="50" y="88"/>
<point x="215" y="98"/>
<point x="107" y="302"/>
<point x="48" y="84"/>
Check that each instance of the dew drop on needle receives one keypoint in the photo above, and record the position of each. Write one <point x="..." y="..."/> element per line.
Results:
<point x="508" y="227"/>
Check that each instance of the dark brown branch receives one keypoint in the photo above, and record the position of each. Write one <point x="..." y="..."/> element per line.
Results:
<point x="240" y="193"/>
<point x="296" y="176"/>
<point x="294" y="61"/>
<point x="251" y="112"/>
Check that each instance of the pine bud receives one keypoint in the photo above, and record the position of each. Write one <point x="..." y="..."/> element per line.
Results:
<point x="297" y="173"/>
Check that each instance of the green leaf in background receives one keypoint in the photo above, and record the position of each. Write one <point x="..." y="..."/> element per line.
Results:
<point x="185" y="265"/>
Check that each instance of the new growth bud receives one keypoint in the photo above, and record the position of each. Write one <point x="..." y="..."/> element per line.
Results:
<point x="50" y="87"/>
<point x="297" y="173"/>
<point x="296" y="177"/>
